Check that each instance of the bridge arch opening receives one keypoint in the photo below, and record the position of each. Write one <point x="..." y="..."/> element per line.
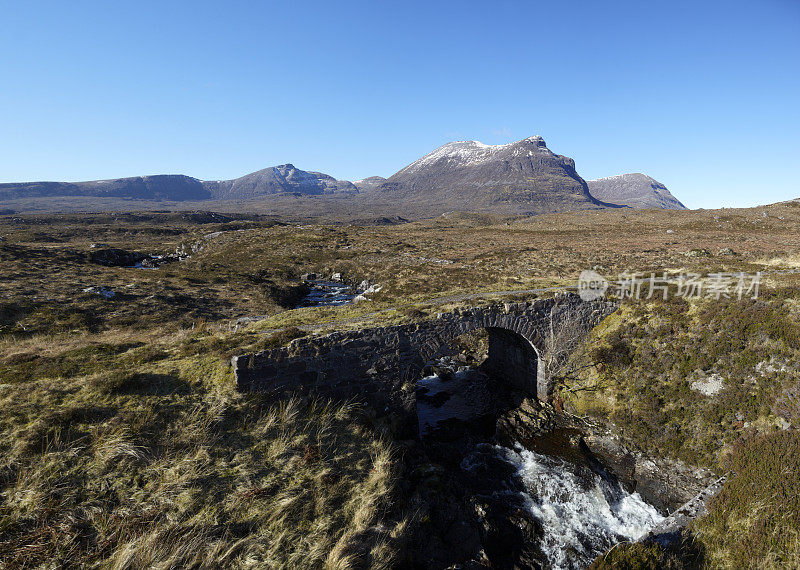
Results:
<point x="513" y="359"/>
<point x="470" y="379"/>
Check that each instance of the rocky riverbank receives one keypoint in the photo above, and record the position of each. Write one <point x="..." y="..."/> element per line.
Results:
<point x="535" y="488"/>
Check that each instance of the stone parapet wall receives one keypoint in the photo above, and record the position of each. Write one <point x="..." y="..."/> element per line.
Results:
<point x="376" y="364"/>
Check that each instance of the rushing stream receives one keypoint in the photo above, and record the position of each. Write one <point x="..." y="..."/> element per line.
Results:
<point x="582" y="511"/>
<point x="583" y="515"/>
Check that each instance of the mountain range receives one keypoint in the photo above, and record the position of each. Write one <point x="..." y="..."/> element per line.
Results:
<point x="519" y="177"/>
<point x="283" y="179"/>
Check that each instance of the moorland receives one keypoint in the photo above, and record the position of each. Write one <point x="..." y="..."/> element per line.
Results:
<point x="125" y="443"/>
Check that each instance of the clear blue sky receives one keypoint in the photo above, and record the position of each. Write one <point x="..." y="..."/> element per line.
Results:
<point x="703" y="96"/>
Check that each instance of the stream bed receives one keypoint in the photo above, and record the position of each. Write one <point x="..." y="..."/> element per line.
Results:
<point x="328" y="293"/>
<point x="582" y="513"/>
<point x="581" y="510"/>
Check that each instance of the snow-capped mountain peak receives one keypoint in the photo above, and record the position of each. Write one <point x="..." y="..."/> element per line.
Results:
<point x="459" y="154"/>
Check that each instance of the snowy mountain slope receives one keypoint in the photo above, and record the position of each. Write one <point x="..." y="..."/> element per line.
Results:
<point x="523" y="176"/>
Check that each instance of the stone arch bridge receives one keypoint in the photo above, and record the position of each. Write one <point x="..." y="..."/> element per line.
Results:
<point x="381" y="365"/>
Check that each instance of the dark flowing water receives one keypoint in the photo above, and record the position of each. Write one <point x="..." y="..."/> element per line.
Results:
<point x="462" y="396"/>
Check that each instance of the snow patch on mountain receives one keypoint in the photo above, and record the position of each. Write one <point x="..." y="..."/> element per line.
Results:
<point x="471" y="153"/>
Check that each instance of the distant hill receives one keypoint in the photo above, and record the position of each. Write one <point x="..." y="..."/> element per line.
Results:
<point x="635" y="190"/>
<point x="524" y="176"/>
<point x="160" y="187"/>
<point x="283" y="179"/>
<point x="369" y="184"/>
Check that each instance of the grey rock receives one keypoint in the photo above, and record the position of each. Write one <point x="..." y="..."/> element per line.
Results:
<point x="694" y="508"/>
<point x="664" y="483"/>
<point x="103" y="291"/>
<point x="697" y="252"/>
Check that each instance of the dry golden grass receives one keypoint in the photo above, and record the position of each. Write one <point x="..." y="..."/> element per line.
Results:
<point x="168" y="469"/>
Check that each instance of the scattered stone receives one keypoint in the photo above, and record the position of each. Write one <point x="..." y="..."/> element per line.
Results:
<point x="181" y="252"/>
<point x="308" y="277"/>
<point x="105" y="292"/>
<point x="147" y="264"/>
<point x="670" y="231"/>
<point x="527" y="421"/>
<point x="697" y="252"/>
<point x="336" y="277"/>
<point x="708" y="385"/>
<point x="326" y="293"/>
<point x="366" y="292"/>
<point x="726" y="251"/>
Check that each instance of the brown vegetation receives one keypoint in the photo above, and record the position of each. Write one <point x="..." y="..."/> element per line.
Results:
<point x="123" y="443"/>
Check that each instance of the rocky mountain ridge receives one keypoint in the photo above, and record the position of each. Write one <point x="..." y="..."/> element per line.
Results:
<point x="283" y="179"/>
<point x="175" y="187"/>
<point x="523" y="177"/>
<point x="635" y="190"/>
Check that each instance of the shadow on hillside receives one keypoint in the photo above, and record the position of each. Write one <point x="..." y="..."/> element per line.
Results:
<point x="147" y="384"/>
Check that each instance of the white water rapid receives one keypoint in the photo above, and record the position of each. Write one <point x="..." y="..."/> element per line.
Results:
<point x="583" y="515"/>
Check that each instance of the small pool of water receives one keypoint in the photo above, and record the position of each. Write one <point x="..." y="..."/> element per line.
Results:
<point x="328" y="293"/>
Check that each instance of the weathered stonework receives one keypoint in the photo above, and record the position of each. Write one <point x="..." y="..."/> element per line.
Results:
<point x="382" y="364"/>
